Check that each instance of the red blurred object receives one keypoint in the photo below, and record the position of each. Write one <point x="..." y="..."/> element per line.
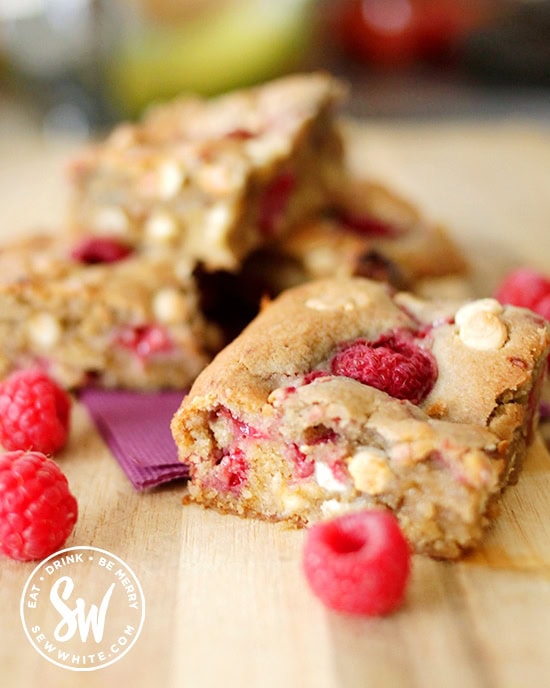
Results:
<point x="400" y="32"/>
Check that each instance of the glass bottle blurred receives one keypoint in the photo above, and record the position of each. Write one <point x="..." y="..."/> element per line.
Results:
<point x="57" y="50"/>
<point x="88" y="62"/>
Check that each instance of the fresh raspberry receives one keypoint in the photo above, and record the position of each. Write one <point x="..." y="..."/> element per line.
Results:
<point x="543" y="307"/>
<point x="93" y="250"/>
<point x="525" y="288"/>
<point x="275" y="201"/>
<point x="393" y="364"/>
<point x="358" y="563"/>
<point x="34" y="412"/>
<point x="37" y="511"/>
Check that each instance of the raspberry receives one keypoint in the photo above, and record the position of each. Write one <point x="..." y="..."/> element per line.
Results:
<point x="543" y="307"/>
<point x="34" y="412"/>
<point x="526" y="288"/>
<point x="367" y="225"/>
<point x="145" y="340"/>
<point x="231" y="472"/>
<point x="37" y="510"/>
<point x="275" y="201"/>
<point x="393" y="364"/>
<point x="100" y="250"/>
<point x="358" y="563"/>
<point x="303" y="465"/>
<point x="240" y="134"/>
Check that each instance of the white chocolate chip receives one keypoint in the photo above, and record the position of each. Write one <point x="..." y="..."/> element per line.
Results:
<point x="263" y="149"/>
<point x="161" y="226"/>
<point x="337" y="302"/>
<point x="325" y="478"/>
<point x="216" y="222"/>
<point x="44" y="330"/>
<point x="220" y="179"/>
<point x="170" y="306"/>
<point x="370" y="471"/>
<point x="170" y="179"/>
<point x="331" y="508"/>
<point x="111" y="220"/>
<point x="320" y="260"/>
<point x="483" y="330"/>
<point x="469" y="309"/>
<point x="293" y="502"/>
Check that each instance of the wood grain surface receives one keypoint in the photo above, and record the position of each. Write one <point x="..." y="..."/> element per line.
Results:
<point x="227" y="604"/>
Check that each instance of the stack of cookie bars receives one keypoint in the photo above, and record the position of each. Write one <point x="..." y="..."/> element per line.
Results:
<point x="181" y="224"/>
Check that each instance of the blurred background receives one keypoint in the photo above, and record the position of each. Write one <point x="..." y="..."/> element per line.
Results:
<point x="80" y="65"/>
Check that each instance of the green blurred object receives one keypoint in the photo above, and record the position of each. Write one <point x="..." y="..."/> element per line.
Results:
<point x="239" y="44"/>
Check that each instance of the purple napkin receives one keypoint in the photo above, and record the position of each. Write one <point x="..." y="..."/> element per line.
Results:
<point x="136" y="428"/>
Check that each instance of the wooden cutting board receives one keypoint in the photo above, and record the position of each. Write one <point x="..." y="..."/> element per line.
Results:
<point x="227" y="604"/>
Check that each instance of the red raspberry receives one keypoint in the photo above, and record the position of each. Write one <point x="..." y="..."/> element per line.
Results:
<point x="37" y="511"/>
<point x="145" y="340"/>
<point x="524" y="287"/>
<point x="543" y="307"/>
<point x="275" y="201"/>
<point x="232" y="471"/>
<point x="393" y="364"/>
<point x="34" y="412"/>
<point x="358" y="563"/>
<point x="368" y="225"/>
<point x="304" y="467"/>
<point x="100" y="250"/>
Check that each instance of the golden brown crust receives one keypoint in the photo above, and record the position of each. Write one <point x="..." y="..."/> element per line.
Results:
<point x="81" y="321"/>
<point x="254" y="420"/>
<point x="195" y="173"/>
<point x="322" y="247"/>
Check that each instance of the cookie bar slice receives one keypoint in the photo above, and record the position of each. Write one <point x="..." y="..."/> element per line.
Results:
<point x="341" y="395"/>
<point x="371" y="232"/>
<point x="215" y="178"/>
<point x="98" y="314"/>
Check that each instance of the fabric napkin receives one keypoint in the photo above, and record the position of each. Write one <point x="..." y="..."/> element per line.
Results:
<point x="136" y="428"/>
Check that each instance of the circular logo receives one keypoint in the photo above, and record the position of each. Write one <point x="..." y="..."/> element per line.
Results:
<point x="82" y="608"/>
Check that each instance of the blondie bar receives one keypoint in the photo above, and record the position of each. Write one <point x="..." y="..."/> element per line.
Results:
<point x="96" y="313"/>
<point x="370" y="232"/>
<point x="215" y="179"/>
<point x="343" y="395"/>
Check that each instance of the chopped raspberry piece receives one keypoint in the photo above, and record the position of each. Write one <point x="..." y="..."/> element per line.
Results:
<point x="525" y="288"/>
<point x="275" y="201"/>
<point x="93" y="250"/>
<point x="34" y="412"/>
<point x="145" y="340"/>
<point x="368" y="225"/>
<point x="393" y="364"/>
<point x="375" y="266"/>
<point x="304" y="467"/>
<point x="239" y="428"/>
<point x="232" y="470"/>
<point x="358" y="563"/>
<point x="240" y="134"/>
<point x="37" y="511"/>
